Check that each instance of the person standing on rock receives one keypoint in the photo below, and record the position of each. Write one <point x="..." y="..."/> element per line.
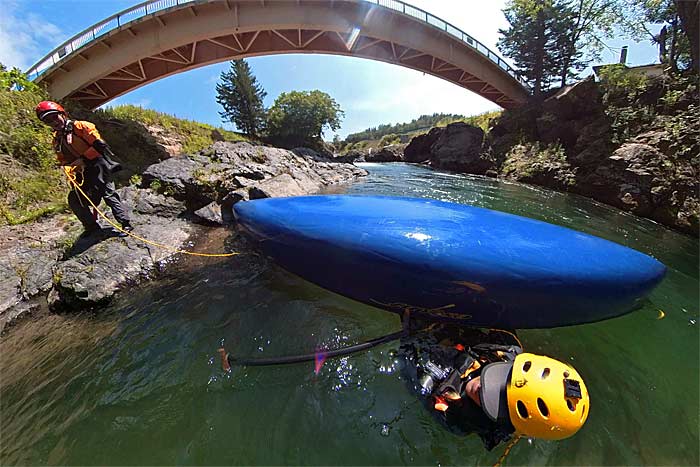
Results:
<point x="78" y="144"/>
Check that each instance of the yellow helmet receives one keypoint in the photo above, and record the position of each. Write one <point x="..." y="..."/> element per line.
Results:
<point x="542" y="397"/>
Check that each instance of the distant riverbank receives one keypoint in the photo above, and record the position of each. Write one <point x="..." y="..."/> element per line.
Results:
<point x="632" y="146"/>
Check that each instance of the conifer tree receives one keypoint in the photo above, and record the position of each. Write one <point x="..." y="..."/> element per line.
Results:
<point x="555" y="39"/>
<point x="241" y="96"/>
<point x="530" y="41"/>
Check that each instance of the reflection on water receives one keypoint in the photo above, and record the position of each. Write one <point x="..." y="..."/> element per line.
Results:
<point x="140" y="382"/>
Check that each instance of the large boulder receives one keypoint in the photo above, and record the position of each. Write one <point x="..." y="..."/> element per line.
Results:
<point x="418" y="150"/>
<point x="638" y="177"/>
<point x="280" y="186"/>
<point x="98" y="265"/>
<point x="635" y="151"/>
<point x="539" y="165"/>
<point x="86" y="271"/>
<point x="577" y="101"/>
<point x="459" y="148"/>
<point x="27" y="256"/>
<point x="351" y="156"/>
<point x="391" y="153"/>
<point x="593" y="143"/>
<point x="227" y="172"/>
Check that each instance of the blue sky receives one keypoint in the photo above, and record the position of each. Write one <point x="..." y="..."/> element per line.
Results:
<point x="370" y="93"/>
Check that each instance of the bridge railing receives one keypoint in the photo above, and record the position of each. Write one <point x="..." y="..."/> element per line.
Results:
<point x="454" y="31"/>
<point x="94" y="32"/>
<point x="75" y="43"/>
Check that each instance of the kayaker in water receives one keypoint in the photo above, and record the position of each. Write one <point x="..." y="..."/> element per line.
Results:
<point x="494" y="389"/>
<point x="475" y="381"/>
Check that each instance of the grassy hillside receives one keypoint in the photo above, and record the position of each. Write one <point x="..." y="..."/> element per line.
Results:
<point x="195" y="135"/>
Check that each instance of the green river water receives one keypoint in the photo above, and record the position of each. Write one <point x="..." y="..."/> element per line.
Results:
<point x="140" y="383"/>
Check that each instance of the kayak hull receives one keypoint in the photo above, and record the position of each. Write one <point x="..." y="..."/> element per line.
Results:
<point x="447" y="261"/>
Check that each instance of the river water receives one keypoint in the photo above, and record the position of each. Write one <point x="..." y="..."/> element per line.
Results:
<point x="140" y="382"/>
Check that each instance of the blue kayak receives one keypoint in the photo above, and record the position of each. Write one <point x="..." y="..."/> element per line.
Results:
<point x="447" y="261"/>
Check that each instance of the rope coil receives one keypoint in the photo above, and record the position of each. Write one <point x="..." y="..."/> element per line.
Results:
<point x="72" y="181"/>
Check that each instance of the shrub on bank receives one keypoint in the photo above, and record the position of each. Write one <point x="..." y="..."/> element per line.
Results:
<point x="391" y="138"/>
<point x="30" y="185"/>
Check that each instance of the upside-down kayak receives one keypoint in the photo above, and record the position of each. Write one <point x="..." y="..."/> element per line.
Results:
<point x="450" y="261"/>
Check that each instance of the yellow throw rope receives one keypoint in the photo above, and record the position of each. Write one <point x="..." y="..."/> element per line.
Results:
<point x="72" y="180"/>
<point x="512" y="443"/>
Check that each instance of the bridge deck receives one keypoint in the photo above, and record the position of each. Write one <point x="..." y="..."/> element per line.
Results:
<point x="159" y="38"/>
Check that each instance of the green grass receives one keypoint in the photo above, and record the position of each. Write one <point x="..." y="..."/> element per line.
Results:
<point x="196" y="136"/>
<point x="482" y="120"/>
<point x="29" y="215"/>
<point x="29" y="193"/>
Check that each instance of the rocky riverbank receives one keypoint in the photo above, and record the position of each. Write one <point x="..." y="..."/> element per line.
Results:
<point x="48" y="265"/>
<point x="635" y="147"/>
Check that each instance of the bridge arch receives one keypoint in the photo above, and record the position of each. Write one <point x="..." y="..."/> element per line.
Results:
<point x="159" y="38"/>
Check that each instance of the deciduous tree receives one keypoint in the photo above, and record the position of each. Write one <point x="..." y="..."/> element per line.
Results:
<point x="580" y="28"/>
<point x="678" y="38"/>
<point x="299" y="118"/>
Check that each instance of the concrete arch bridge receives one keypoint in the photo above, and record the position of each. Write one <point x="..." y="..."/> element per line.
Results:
<point x="160" y="38"/>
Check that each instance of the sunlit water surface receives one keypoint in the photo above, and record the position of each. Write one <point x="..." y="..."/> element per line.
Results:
<point x="140" y="381"/>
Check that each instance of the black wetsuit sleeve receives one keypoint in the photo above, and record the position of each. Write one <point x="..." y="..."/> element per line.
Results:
<point x="466" y="417"/>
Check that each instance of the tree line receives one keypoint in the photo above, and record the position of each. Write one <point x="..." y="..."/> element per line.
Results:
<point x="552" y="41"/>
<point x="424" y="121"/>
<point x="296" y="118"/>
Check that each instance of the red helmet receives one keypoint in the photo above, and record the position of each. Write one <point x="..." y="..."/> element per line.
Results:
<point x="45" y="108"/>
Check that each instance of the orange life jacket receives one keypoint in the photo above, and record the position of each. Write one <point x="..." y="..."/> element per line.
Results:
<point x="76" y="141"/>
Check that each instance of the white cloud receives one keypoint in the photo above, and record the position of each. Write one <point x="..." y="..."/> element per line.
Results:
<point x="23" y="37"/>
